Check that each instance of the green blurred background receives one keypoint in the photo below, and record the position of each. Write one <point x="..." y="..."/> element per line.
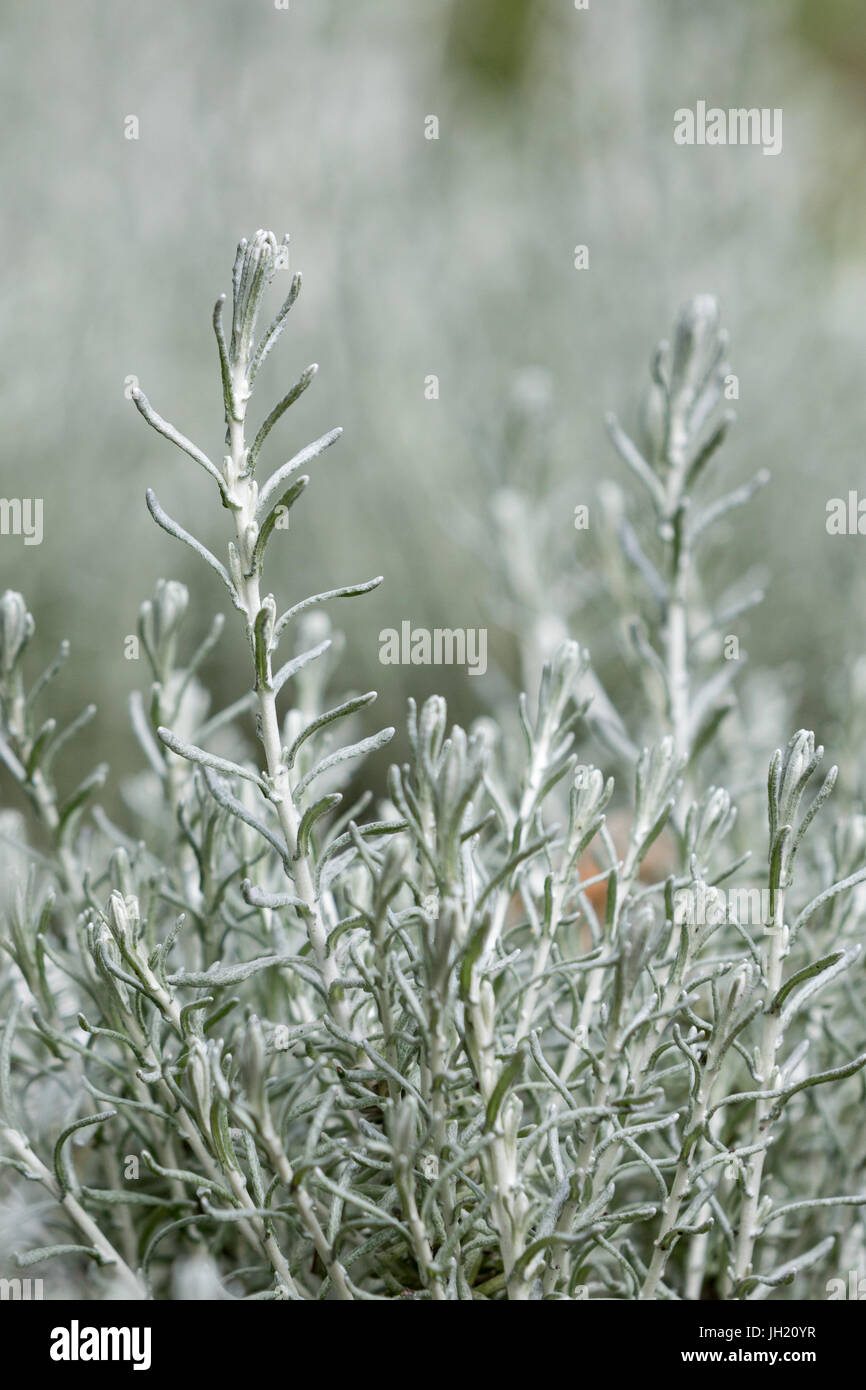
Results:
<point x="451" y="257"/>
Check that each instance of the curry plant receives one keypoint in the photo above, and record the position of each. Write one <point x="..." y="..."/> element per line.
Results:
<point x="285" y="1038"/>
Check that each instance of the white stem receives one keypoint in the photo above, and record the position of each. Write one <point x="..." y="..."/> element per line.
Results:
<point x="774" y="958"/>
<point x="243" y="492"/>
<point x="128" y="1281"/>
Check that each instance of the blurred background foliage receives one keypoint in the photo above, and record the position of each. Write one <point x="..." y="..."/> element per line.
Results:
<point x="451" y="257"/>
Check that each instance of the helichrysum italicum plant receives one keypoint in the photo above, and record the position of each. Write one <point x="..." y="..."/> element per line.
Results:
<point x="470" y="1044"/>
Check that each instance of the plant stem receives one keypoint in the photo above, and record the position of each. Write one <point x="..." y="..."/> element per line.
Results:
<point x="129" y="1282"/>
<point x="771" y="1034"/>
<point x="243" y="494"/>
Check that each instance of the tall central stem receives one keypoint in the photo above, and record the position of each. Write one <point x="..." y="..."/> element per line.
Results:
<point x="773" y="962"/>
<point x="243" y="494"/>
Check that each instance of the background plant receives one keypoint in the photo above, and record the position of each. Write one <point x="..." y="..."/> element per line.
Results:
<point x="555" y="127"/>
<point x="459" y="1046"/>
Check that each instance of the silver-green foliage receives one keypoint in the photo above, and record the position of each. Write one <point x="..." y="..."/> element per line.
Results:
<point x="464" y="1047"/>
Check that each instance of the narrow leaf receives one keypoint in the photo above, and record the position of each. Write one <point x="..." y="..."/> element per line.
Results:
<point x="257" y="897"/>
<point x="338" y="712"/>
<point x="297" y="663"/>
<point x="311" y="451"/>
<point x="65" y="1177"/>
<point x="164" y="520"/>
<point x="342" y="755"/>
<point x="285" y="504"/>
<point x="194" y="754"/>
<point x="227" y="974"/>
<point x="309" y="818"/>
<point x="347" y="591"/>
<point x="276" y="328"/>
<point x="50" y="1252"/>
<point x="169" y="432"/>
<point x="142" y="730"/>
<point x="280" y="409"/>
<point x="223" y="796"/>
